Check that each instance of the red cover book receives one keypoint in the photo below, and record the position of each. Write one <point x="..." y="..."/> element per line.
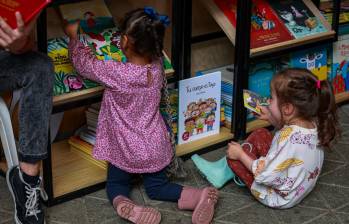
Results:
<point x="266" y="27"/>
<point x="28" y="9"/>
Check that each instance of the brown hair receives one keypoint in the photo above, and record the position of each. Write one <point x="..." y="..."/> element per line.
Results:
<point x="313" y="100"/>
<point x="145" y="33"/>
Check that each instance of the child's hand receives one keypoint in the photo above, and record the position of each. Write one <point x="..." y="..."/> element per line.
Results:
<point x="71" y="29"/>
<point x="265" y="113"/>
<point x="234" y="151"/>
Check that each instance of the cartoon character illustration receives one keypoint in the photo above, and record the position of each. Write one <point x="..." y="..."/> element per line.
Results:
<point x="189" y="126"/>
<point x="202" y="108"/>
<point x="213" y="106"/>
<point x="210" y="121"/>
<point x="294" y="17"/>
<point x="338" y="81"/>
<point x="314" y="174"/>
<point x="200" y="124"/>
<point x="310" y="60"/>
<point x="259" y="21"/>
<point x="73" y="82"/>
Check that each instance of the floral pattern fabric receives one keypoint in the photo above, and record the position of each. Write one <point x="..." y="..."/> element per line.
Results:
<point x="291" y="168"/>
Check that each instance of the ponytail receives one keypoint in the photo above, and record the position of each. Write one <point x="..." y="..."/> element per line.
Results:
<point x="327" y="119"/>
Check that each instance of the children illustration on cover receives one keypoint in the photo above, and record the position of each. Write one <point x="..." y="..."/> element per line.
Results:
<point x="199" y="117"/>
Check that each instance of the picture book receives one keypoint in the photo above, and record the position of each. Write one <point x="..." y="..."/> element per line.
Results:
<point x="66" y="78"/>
<point x="314" y="60"/>
<point x="298" y="18"/>
<point x="28" y="9"/>
<point x="253" y="101"/>
<point x="199" y="107"/>
<point x="266" y="27"/>
<point x="340" y="61"/>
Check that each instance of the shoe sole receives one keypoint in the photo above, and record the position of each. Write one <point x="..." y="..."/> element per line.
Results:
<point x="204" y="211"/>
<point x="138" y="214"/>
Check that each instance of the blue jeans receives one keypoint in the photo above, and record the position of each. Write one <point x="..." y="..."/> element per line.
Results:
<point x="157" y="185"/>
<point x="33" y="73"/>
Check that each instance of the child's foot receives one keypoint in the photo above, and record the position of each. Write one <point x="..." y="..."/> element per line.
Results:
<point x="127" y="209"/>
<point x="204" y="210"/>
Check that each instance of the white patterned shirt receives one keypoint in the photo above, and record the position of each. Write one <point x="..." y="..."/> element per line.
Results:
<point x="290" y="169"/>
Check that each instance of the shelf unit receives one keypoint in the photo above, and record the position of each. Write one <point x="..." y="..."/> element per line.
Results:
<point x="238" y="36"/>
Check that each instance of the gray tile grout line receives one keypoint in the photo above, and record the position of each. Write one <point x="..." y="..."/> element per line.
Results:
<point x="330" y="208"/>
<point x="315" y="208"/>
<point x="7" y="212"/>
<point x="332" y="185"/>
<point x="335" y="161"/>
<point x="239" y="209"/>
<point x="342" y="206"/>
<point x="315" y="218"/>
<point x="332" y="171"/>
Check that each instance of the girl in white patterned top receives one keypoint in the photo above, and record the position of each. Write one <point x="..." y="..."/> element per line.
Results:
<point x="281" y="170"/>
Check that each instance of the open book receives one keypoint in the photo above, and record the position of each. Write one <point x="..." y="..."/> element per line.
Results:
<point x="28" y="9"/>
<point x="253" y="101"/>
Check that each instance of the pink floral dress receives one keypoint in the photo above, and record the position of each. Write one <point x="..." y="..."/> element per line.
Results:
<point x="131" y="133"/>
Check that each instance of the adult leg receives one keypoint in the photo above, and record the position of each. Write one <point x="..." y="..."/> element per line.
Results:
<point x="33" y="73"/>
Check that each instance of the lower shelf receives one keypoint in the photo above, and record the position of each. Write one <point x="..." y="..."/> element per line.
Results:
<point x="187" y="148"/>
<point x="70" y="172"/>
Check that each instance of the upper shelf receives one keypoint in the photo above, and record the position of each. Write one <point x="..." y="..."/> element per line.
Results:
<point x="96" y="91"/>
<point x="230" y="30"/>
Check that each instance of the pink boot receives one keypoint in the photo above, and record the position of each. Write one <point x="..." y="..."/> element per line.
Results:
<point x="202" y="201"/>
<point x="127" y="209"/>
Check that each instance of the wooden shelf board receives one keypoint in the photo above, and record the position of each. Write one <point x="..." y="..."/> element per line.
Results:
<point x="253" y="125"/>
<point x="230" y="30"/>
<point x="224" y="135"/>
<point x="71" y="172"/>
<point x="341" y="97"/>
<point x="96" y="91"/>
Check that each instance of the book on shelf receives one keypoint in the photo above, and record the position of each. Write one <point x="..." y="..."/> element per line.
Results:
<point x="66" y="78"/>
<point x="314" y="60"/>
<point x="340" y="61"/>
<point x="298" y="18"/>
<point x="199" y="107"/>
<point x="28" y="9"/>
<point x="266" y="27"/>
<point x="84" y="149"/>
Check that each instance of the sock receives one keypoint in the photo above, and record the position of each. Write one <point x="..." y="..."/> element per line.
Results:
<point x="31" y="180"/>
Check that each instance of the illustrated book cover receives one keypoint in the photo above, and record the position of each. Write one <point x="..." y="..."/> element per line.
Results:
<point x="298" y="18"/>
<point x="199" y="107"/>
<point x="266" y="27"/>
<point x="253" y="101"/>
<point x="28" y="9"/>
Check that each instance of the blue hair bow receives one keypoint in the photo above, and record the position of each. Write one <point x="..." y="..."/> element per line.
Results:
<point x="150" y="11"/>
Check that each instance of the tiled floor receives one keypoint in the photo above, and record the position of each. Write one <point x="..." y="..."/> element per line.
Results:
<point x="328" y="203"/>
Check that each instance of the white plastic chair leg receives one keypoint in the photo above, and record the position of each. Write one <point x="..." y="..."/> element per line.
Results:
<point x="6" y="134"/>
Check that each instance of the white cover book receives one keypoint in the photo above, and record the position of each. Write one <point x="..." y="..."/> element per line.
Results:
<point x="199" y="107"/>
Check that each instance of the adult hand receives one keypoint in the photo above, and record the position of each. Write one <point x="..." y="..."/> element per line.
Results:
<point x="71" y="29"/>
<point x="15" y="40"/>
<point x="234" y="151"/>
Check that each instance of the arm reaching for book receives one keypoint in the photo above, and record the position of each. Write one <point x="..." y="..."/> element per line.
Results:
<point x="17" y="40"/>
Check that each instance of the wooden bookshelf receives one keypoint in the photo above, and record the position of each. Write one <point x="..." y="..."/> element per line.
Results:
<point x="253" y="125"/>
<point x="230" y="30"/>
<point x="3" y="166"/>
<point x="92" y="92"/>
<point x="224" y="135"/>
<point x="342" y="97"/>
<point x="71" y="172"/>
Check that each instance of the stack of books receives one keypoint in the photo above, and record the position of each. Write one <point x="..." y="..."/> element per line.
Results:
<point x="173" y="95"/>
<point x="84" y="149"/>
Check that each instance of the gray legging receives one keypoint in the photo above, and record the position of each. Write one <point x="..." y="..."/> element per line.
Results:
<point x="33" y="73"/>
